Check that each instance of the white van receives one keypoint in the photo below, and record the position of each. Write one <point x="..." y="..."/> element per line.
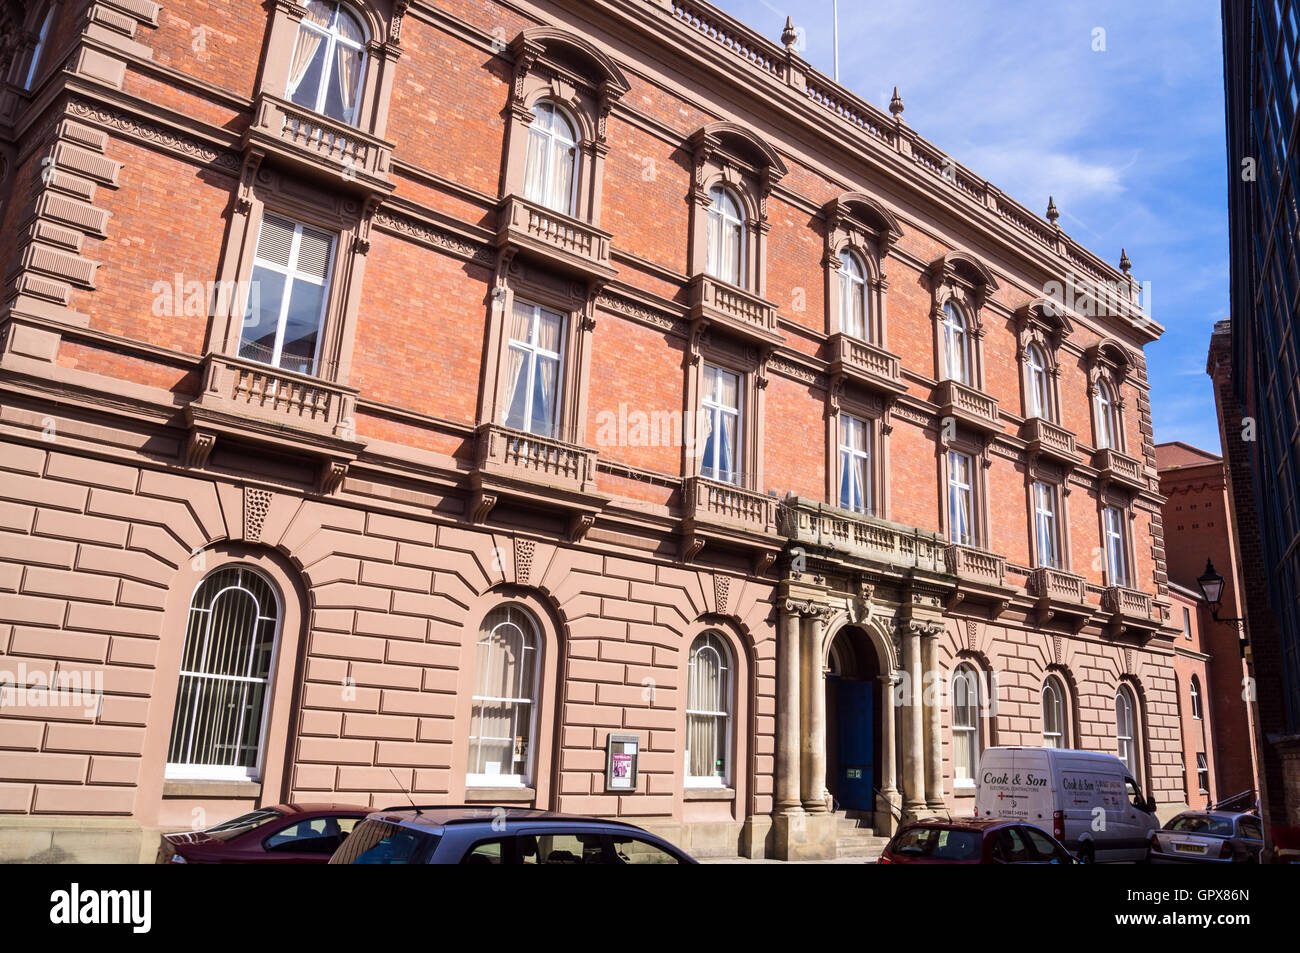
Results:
<point x="1089" y="801"/>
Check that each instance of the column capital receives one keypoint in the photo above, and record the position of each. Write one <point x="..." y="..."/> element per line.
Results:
<point x="922" y="627"/>
<point x="808" y="608"/>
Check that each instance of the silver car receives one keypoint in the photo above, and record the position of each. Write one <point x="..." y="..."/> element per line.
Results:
<point x="1208" y="837"/>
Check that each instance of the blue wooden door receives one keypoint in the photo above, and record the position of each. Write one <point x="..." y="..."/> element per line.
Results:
<point x="856" y="736"/>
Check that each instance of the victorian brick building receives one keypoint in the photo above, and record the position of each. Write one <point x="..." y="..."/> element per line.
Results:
<point x="405" y="396"/>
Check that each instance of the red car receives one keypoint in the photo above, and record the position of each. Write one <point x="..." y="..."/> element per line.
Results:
<point x="974" y="841"/>
<point x="284" y="834"/>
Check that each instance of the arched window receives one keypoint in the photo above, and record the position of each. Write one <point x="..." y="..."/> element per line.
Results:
<point x="1125" y="736"/>
<point x="956" y="348"/>
<point x="1196" y="697"/>
<point x="1107" y="418"/>
<point x="1054" y="714"/>
<point x="329" y="61"/>
<point x="503" y="719"/>
<point x="708" y="713"/>
<point x="965" y="725"/>
<point x="853" y="296"/>
<point x="1036" y="383"/>
<point x="42" y="37"/>
<point x="551" y="168"/>
<point x="221" y="700"/>
<point x="725" y="257"/>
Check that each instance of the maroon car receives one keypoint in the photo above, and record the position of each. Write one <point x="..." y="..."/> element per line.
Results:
<point x="284" y="834"/>
<point x="973" y="841"/>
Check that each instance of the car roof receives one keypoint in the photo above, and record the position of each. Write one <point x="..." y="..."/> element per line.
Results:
<point x="445" y="815"/>
<point x="318" y="807"/>
<point x="1217" y="815"/>
<point x="967" y="823"/>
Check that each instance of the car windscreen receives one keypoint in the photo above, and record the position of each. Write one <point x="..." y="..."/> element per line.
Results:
<point x="232" y="828"/>
<point x="1201" y="824"/>
<point x="381" y="842"/>
<point x="938" y="843"/>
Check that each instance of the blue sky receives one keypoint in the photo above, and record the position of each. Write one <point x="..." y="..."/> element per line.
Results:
<point x="1129" y="140"/>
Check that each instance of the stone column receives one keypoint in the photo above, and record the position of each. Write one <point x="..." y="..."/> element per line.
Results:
<point x="933" y="722"/>
<point x="814" y="713"/>
<point x="913" y="724"/>
<point x="788" y="712"/>
<point x="888" y="740"/>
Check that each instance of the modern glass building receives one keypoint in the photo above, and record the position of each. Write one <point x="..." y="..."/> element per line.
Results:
<point x="1261" y="47"/>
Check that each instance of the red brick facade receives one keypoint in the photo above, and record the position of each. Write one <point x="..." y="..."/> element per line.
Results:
<point x="392" y="512"/>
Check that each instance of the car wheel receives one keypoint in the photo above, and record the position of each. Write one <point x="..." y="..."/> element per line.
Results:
<point x="1087" y="854"/>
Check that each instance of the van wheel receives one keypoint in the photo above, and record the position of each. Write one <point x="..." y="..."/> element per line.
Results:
<point x="1087" y="854"/>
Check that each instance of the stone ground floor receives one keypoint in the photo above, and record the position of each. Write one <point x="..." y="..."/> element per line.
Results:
<point x="180" y="646"/>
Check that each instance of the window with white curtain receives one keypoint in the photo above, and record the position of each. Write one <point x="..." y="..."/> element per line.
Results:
<point x="1124" y="729"/>
<point x="1187" y="622"/>
<point x="1107" y="420"/>
<point x="1196" y="697"/>
<point x="1046" y="525"/>
<point x="708" y="712"/>
<point x="855" y="464"/>
<point x="41" y="38"/>
<point x="1116" y="560"/>
<point x="965" y="725"/>
<point x="852" y="282"/>
<point x="503" y="719"/>
<point x="956" y="344"/>
<point x="329" y="60"/>
<point x="725" y="254"/>
<point x="1036" y="383"/>
<point x="961" y="498"/>
<point x="721" y="422"/>
<point x="534" y="362"/>
<point x="225" y="673"/>
<point x="1053" y="714"/>
<point x="551" y="168"/>
<point x="288" y="295"/>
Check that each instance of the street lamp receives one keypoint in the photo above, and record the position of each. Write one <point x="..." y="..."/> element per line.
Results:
<point x="1211" y="584"/>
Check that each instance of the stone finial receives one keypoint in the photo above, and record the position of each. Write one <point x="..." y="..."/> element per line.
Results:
<point x="896" y="104"/>
<point x="1124" y="264"/>
<point x="1052" y="213"/>
<point x="789" y="36"/>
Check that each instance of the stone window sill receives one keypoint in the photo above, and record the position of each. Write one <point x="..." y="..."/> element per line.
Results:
<point x="208" y="788"/>
<point x="710" y="794"/>
<point x="500" y="795"/>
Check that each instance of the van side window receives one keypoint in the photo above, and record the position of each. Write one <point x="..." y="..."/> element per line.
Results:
<point x="1134" y="793"/>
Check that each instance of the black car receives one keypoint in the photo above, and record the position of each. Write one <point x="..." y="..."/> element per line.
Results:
<point x="472" y="834"/>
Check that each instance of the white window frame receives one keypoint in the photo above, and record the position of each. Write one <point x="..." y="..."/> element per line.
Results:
<point x="331" y="37"/>
<point x="532" y="642"/>
<point x="532" y="353"/>
<point x="1047" y="549"/>
<point x="966" y="734"/>
<point x="186" y="770"/>
<point x="1187" y="622"/>
<point x="1202" y="772"/>
<point x="1107" y="424"/>
<point x="956" y="344"/>
<point x="719" y="221"/>
<point x="850" y="455"/>
<point x="553" y="146"/>
<point x="41" y="37"/>
<point x="715" y="643"/>
<point x="852" y="286"/>
<point x="291" y="276"/>
<point x="1194" y="691"/>
<point x="1053" y="685"/>
<point x="713" y="411"/>
<point x="956" y="489"/>
<point x="1116" y="553"/>
<point x="1126" y="729"/>
<point x="1037" y="383"/>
